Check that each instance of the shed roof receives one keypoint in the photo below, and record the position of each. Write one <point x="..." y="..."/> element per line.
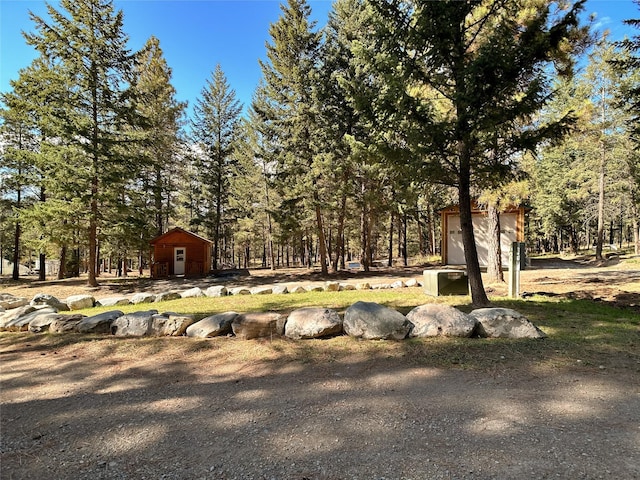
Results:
<point x="157" y="239"/>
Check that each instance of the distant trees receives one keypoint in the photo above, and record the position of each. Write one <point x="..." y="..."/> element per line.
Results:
<point x="214" y="133"/>
<point x="356" y="136"/>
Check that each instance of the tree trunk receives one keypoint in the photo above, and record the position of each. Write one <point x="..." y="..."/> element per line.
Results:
<point x="600" y="237"/>
<point x="364" y="239"/>
<point x="391" y="221"/>
<point x="636" y="226"/>
<point x="322" y="241"/>
<point x="494" y="267"/>
<point x="339" y="259"/>
<point x="42" y="267"/>
<point x="62" y="270"/>
<point x="405" y="255"/>
<point x="478" y="295"/>
<point x="16" y="252"/>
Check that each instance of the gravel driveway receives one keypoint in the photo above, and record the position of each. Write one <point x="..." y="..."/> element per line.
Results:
<point x="180" y="409"/>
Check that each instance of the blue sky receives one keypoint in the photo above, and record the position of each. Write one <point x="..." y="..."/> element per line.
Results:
<point x="195" y="35"/>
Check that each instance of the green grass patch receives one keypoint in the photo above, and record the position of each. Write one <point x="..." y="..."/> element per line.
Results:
<point x="581" y="333"/>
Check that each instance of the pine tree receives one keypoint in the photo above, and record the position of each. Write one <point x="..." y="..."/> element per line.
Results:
<point x="161" y="113"/>
<point x="95" y="109"/>
<point x="289" y="113"/>
<point x="470" y="75"/>
<point x="214" y="132"/>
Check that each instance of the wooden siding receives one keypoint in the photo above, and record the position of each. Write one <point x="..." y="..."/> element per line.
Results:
<point x="197" y="253"/>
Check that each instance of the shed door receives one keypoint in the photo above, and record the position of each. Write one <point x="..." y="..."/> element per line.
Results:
<point x="179" y="254"/>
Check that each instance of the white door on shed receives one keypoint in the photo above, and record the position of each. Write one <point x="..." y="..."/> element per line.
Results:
<point x="179" y="254"/>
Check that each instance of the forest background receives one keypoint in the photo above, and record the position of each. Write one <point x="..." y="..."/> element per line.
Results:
<point x="357" y="135"/>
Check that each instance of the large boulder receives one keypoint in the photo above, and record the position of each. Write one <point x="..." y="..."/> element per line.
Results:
<point x="42" y="323"/>
<point x="167" y="296"/>
<point x="298" y="289"/>
<point x="21" y="323"/>
<point x="332" y="286"/>
<point x="504" y="323"/>
<point x="10" y="302"/>
<point x="113" y="301"/>
<point x="280" y="290"/>
<point x="192" y="293"/>
<point x="212" y="326"/>
<point x="65" y="323"/>
<point x="9" y="316"/>
<point x="49" y="300"/>
<point x="80" y="302"/>
<point x="240" y="291"/>
<point x="312" y="323"/>
<point x="143" y="297"/>
<point x="100" y="323"/>
<point x="258" y="325"/>
<point x="137" y="324"/>
<point x="216" y="291"/>
<point x="171" y="324"/>
<point x="435" y="320"/>
<point x="371" y="321"/>
<point x="261" y="291"/>
<point x="363" y="286"/>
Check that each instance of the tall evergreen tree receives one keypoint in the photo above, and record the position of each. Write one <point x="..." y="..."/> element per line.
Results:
<point x="94" y="109"/>
<point x="162" y="114"/>
<point x="470" y="75"/>
<point x="289" y="111"/>
<point x="214" y="131"/>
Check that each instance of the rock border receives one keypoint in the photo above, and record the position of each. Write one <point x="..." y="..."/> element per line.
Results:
<point x="365" y="320"/>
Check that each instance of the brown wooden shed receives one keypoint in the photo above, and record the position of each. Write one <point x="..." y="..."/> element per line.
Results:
<point x="180" y="252"/>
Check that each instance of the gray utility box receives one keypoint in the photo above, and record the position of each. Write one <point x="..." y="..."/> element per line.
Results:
<point x="446" y="282"/>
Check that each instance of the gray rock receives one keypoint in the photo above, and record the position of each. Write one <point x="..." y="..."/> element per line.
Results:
<point x="192" y="293"/>
<point x="212" y="326"/>
<point x="347" y="286"/>
<point x="261" y="291"/>
<point x="312" y="323"/>
<point x="143" y="297"/>
<point x="80" y="302"/>
<point x="42" y="323"/>
<point x="49" y="300"/>
<point x="167" y="296"/>
<point x="298" y="289"/>
<point x="65" y="323"/>
<point x="315" y="288"/>
<point x="100" y="323"/>
<point x="171" y="325"/>
<point x="240" y="291"/>
<point x="10" y="302"/>
<point x="21" y="323"/>
<point x="504" y="323"/>
<point x="412" y="282"/>
<point x="113" y="301"/>
<point x="257" y="325"/>
<point x="398" y="284"/>
<point x="216" y="291"/>
<point x="372" y="321"/>
<point x="332" y="287"/>
<point x="280" y="290"/>
<point x="10" y="315"/>
<point x="363" y="286"/>
<point x="137" y="324"/>
<point x="433" y="320"/>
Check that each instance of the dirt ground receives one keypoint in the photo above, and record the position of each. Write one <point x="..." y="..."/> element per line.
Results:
<point x="105" y="408"/>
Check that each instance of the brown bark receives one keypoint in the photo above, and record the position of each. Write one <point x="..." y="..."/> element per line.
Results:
<point x="494" y="267"/>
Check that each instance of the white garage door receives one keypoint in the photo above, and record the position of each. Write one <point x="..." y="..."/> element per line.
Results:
<point x="455" y="249"/>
